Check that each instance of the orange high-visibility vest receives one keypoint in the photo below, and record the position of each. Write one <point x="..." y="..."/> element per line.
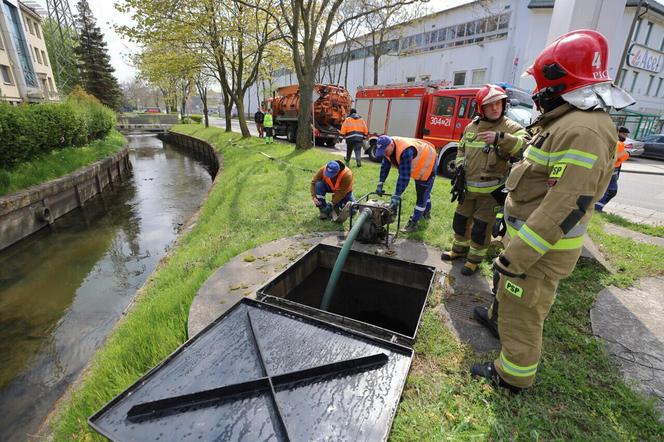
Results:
<point x="354" y="127"/>
<point x="424" y="160"/>
<point x="335" y="186"/>
<point x="621" y="155"/>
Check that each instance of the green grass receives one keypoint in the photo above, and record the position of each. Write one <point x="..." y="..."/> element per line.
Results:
<point x="578" y="394"/>
<point x="643" y="228"/>
<point x="58" y="163"/>
<point x="631" y="259"/>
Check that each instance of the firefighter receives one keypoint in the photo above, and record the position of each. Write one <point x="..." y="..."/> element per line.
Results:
<point x="355" y="131"/>
<point x="483" y="158"/>
<point x="621" y="157"/>
<point x="566" y="168"/>
<point x="415" y="159"/>
<point x="268" y="124"/>
<point x="336" y="178"/>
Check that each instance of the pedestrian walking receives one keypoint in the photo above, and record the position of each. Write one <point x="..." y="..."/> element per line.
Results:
<point x="354" y="130"/>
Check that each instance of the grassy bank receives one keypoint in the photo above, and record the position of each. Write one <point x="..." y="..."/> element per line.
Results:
<point x="58" y="163"/>
<point x="255" y="200"/>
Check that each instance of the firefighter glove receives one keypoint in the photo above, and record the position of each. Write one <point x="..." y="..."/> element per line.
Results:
<point x="379" y="189"/>
<point x="499" y="226"/>
<point x="458" y="190"/>
<point x="394" y="203"/>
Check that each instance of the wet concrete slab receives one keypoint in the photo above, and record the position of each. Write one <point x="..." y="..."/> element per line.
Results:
<point x="629" y="321"/>
<point x="243" y="275"/>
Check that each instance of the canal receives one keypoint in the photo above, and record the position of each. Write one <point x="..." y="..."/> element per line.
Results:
<point x="63" y="289"/>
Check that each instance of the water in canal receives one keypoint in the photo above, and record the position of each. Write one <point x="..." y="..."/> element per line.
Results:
<point x="63" y="289"/>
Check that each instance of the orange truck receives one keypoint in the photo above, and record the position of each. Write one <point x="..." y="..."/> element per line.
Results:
<point x="430" y="111"/>
<point x="331" y="106"/>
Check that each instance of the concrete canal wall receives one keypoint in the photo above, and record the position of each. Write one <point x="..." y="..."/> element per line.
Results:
<point x="198" y="149"/>
<point x="34" y="208"/>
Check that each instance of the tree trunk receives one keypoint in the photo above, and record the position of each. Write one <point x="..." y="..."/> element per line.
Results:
<point x="304" y="135"/>
<point x="228" y="108"/>
<point x="239" y="103"/>
<point x="376" y="59"/>
<point x="205" y="110"/>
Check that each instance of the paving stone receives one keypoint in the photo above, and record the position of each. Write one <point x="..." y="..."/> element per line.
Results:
<point x="629" y="321"/>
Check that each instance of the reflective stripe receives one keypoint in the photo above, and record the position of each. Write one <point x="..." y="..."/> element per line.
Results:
<point x="465" y="243"/>
<point x="430" y="156"/>
<point x="320" y="196"/>
<point x="420" y="209"/>
<point x="517" y="370"/>
<point x="475" y="144"/>
<point x="562" y="244"/>
<point x="459" y="160"/>
<point x="570" y="156"/>
<point x="500" y="215"/>
<point x="519" y="140"/>
<point x="477" y="252"/>
<point x="577" y="230"/>
<point x="484" y="186"/>
<point x="533" y="239"/>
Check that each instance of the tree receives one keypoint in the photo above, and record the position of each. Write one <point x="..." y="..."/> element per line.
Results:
<point x="137" y="93"/>
<point x="382" y="30"/>
<point x="94" y="64"/>
<point x="307" y="26"/>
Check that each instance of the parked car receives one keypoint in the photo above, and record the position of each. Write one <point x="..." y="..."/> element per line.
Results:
<point x="653" y="146"/>
<point x="152" y="110"/>
<point x="633" y="147"/>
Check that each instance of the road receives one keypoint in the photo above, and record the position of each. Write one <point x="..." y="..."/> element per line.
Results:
<point x="637" y="190"/>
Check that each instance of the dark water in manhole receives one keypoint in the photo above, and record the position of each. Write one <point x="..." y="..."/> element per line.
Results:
<point x="63" y="289"/>
<point x="387" y="305"/>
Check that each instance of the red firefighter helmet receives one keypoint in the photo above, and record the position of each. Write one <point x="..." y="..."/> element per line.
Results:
<point x="488" y="94"/>
<point x="573" y="60"/>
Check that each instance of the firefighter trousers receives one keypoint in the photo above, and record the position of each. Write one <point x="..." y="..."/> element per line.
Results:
<point x="523" y="305"/>
<point x="472" y="224"/>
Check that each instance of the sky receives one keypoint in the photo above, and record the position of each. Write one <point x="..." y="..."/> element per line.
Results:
<point x="119" y="48"/>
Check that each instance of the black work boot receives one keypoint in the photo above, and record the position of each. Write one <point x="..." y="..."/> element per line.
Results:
<point x="488" y="371"/>
<point x="410" y="227"/>
<point x="481" y="315"/>
<point x="427" y="214"/>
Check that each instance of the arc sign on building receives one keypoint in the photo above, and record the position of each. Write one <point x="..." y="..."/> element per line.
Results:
<point x="645" y="58"/>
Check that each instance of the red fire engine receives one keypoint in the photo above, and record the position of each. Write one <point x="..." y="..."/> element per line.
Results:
<point x="429" y="111"/>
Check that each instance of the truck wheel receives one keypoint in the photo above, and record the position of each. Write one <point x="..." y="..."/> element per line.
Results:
<point x="446" y="166"/>
<point x="291" y="134"/>
<point x="371" y="151"/>
<point x="330" y="142"/>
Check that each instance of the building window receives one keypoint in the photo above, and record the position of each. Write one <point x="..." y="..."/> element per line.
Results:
<point x="45" y="58"/>
<point x="659" y="86"/>
<point x="648" y="33"/>
<point x="459" y="78"/>
<point x="2" y="45"/>
<point x="410" y="79"/>
<point x="462" y="108"/>
<point x="32" y="30"/>
<point x="623" y="74"/>
<point x="652" y="78"/>
<point x="6" y="74"/>
<point x="478" y="76"/>
<point x="37" y="55"/>
<point x="661" y="45"/>
<point x="50" y="83"/>
<point x="634" y="78"/>
<point x="37" y="30"/>
<point x="425" y="77"/>
<point x="443" y="106"/>
<point x="21" y="46"/>
<point x="635" y="37"/>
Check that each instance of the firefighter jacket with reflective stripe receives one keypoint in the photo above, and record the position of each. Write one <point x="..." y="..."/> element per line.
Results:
<point x="486" y="166"/>
<point x="354" y="128"/>
<point x="267" y="120"/>
<point x="621" y="155"/>
<point x="566" y="168"/>
<point x="424" y="160"/>
<point x="340" y="184"/>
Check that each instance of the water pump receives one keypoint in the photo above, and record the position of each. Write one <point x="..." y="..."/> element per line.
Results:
<point x="376" y="228"/>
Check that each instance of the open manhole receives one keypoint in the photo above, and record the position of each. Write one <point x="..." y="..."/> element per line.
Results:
<point x="381" y="296"/>
<point x="262" y="373"/>
<point x="280" y="368"/>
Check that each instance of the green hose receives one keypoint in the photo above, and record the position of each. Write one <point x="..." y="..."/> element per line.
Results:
<point x="341" y="260"/>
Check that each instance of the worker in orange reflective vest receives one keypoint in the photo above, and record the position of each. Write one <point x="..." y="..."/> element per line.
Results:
<point x="336" y="178"/>
<point x="621" y="157"/>
<point x="415" y="159"/>
<point x="354" y="130"/>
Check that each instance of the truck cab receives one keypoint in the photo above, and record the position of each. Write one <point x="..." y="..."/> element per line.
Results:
<point x="429" y="111"/>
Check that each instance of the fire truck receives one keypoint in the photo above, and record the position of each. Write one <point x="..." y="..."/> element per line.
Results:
<point x="430" y="111"/>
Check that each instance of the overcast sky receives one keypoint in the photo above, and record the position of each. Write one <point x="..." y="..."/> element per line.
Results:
<point x="107" y="16"/>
